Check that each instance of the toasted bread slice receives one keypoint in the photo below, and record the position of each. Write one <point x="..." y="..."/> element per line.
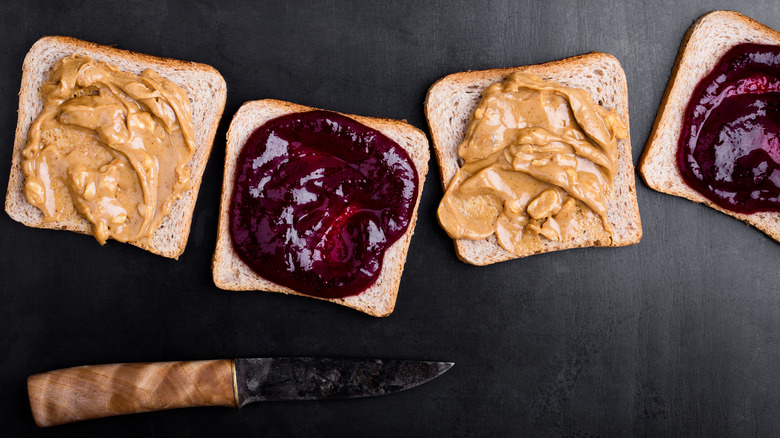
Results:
<point x="231" y="273"/>
<point x="205" y="88"/>
<point x="452" y="99"/>
<point x="710" y="37"/>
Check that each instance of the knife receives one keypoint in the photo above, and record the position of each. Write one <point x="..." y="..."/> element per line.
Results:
<point x="94" y="391"/>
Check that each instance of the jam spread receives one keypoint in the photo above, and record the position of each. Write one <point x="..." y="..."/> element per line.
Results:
<point x="729" y="149"/>
<point x="318" y="198"/>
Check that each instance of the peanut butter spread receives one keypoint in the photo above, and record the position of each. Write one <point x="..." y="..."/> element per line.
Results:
<point x="110" y="145"/>
<point x="539" y="163"/>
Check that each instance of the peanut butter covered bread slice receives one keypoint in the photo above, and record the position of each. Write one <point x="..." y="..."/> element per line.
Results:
<point x="535" y="158"/>
<point x="112" y="143"/>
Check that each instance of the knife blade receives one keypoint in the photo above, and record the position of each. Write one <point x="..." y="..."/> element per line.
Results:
<point x="94" y="391"/>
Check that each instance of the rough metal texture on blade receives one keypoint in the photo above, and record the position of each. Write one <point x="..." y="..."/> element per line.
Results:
<point x="308" y="378"/>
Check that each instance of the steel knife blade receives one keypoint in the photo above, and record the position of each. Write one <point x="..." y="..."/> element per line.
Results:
<point x="94" y="391"/>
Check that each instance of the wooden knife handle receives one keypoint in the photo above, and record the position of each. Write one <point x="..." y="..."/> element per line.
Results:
<point x="94" y="391"/>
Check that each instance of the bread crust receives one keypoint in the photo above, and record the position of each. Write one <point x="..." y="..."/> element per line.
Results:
<point x="452" y="99"/>
<point x="205" y="88"/>
<point x="231" y="273"/>
<point x="705" y="42"/>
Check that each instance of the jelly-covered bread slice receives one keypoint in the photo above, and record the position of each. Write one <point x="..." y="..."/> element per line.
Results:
<point x="710" y="37"/>
<point x="231" y="273"/>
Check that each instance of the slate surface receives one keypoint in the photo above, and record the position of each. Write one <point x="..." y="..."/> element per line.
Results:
<point x="676" y="336"/>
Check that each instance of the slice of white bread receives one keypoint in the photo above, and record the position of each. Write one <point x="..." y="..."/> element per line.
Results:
<point x="710" y="37"/>
<point x="452" y="99"/>
<point x="231" y="273"/>
<point x="205" y="88"/>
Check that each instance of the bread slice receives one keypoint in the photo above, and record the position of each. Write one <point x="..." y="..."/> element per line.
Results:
<point x="231" y="273"/>
<point x="710" y="37"/>
<point x="452" y="99"/>
<point x="207" y="92"/>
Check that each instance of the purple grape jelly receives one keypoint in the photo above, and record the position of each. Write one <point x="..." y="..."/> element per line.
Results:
<point x="729" y="147"/>
<point x="318" y="199"/>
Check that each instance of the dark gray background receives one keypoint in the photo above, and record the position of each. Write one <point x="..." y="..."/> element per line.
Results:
<point x="676" y="336"/>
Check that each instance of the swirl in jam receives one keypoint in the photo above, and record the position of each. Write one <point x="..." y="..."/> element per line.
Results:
<point x="729" y="147"/>
<point x="318" y="199"/>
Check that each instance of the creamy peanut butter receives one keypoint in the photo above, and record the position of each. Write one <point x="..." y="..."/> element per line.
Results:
<point x="539" y="164"/>
<point x="110" y="145"/>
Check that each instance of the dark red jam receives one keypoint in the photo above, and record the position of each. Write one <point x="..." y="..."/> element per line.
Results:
<point x="318" y="198"/>
<point x="729" y="148"/>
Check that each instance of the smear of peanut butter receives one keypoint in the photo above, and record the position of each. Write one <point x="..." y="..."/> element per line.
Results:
<point x="539" y="162"/>
<point x="109" y="145"/>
